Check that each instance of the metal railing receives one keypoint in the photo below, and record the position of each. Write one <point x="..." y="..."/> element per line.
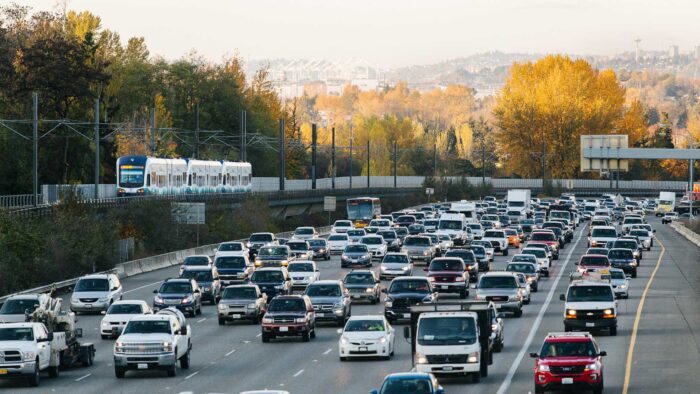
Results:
<point x="19" y="200"/>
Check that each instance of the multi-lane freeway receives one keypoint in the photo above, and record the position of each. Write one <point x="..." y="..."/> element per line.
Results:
<point x="665" y="357"/>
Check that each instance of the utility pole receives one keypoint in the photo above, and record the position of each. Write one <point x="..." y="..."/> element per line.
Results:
<point x="243" y="135"/>
<point x="351" y="156"/>
<point x="97" y="148"/>
<point x="435" y="171"/>
<point x="483" y="161"/>
<point x="544" y="162"/>
<point x="282" y="155"/>
<point x="35" y="147"/>
<point x="153" y="131"/>
<point x="691" y="195"/>
<point x="396" y="156"/>
<point x="196" y="131"/>
<point x="313" y="156"/>
<point x="333" y="158"/>
<point x="368" y="170"/>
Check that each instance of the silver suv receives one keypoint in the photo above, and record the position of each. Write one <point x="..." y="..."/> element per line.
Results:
<point x="331" y="301"/>
<point x="502" y="288"/>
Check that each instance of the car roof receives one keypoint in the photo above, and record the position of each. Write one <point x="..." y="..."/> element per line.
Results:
<point x="568" y="337"/>
<point x="198" y="268"/>
<point x="178" y="280"/>
<point x="405" y="278"/>
<point x="270" y="269"/>
<point x="96" y="276"/>
<point x="326" y="282"/>
<point x="497" y="273"/>
<point x="408" y="375"/>
<point x="128" y="302"/>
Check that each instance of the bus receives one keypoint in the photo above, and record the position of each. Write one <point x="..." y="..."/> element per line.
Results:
<point x="363" y="209"/>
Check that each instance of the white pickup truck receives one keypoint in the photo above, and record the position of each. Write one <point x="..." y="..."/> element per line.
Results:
<point x="154" y="342"/>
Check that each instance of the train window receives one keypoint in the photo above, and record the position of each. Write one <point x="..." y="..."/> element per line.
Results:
<point x="189" y="180"/>
<point x="148" y="179"/>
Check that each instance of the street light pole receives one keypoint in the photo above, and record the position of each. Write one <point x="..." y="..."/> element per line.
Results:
<point x="351" y="155"/>
<point x="35" y="147"/>
<point x="97" y="148"/>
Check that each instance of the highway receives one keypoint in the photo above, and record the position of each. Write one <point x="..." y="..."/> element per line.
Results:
<point x="233" y="358"/>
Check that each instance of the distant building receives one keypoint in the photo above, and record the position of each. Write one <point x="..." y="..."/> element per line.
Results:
<point x="697" y="52"/>
<point x="673" y="52"/>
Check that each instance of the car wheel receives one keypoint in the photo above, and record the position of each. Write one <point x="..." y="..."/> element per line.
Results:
<point x="534" y="289"/>
<point x="306" y="336"/>
<point x="185" y="360"/>
<point x="53" y="372"/>
<point x="172" y="371"/>
<point x="527" y="302"/>
<point x="343" y="358"/>
<point x="265" y="337"/>
<point x="634" y="273"/>
<point x="539" y="389"/>
<point x="119" y="372"/>
<point x="613" y="331"/>
<point x="104" y="336"/>
<point x="567" y="329"/>
<point x="505" y="252"/>
<point x="222" y="322"/>
<point x="519" y="313"/>
<point x="313" y="332"/>
<point x="497" y="347"/>
<point x="476" y="377"/>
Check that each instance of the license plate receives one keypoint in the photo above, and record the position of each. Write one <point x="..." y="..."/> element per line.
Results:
<point x="567" y="380"/>
<point x="447" y="368"/>
<point x="3" y="372"/>
<point x="406" y="315"/>
<point x="88" y="305"/>
<point x="590" y="324"/>
<point x="363" y="348"/>
<point x="284" y="329"/>
<point x="445" y="287"/>
<point x="320" y="314"/>
<point x="355" y="296"/>
<point x="237" y="316"/>
<point x="142" y="366"/>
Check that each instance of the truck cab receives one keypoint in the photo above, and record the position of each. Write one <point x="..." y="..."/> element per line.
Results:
<point x="27" y="349"/>
<point x="455" y="226"/>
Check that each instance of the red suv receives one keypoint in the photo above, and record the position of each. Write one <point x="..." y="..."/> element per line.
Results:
<point x="569" y="361"/>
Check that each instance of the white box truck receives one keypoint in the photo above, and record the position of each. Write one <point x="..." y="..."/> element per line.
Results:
<point x="667" y="203"/>
<point x="519" y="199"/>
<point x="468" y="209"/>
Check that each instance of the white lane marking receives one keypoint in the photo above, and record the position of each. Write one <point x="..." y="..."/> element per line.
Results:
<point x="191" y="375"/>
<point x="201" y="320"/>
<point x="514" y="367"/>
<point x="82" y="377"/>
<point x="327" y="351"/>
<point x="246" y="342"/>
<point x="301" y="371"/>
<point x="259" y="335"/>
<point x="142" y="287"/>
<point x="230" y="353"/>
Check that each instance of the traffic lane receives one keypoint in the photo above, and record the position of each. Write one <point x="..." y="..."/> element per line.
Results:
<point x="667" y="350"/>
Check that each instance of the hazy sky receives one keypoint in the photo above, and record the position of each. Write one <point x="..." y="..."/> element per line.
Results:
<point x="391" y="33"/>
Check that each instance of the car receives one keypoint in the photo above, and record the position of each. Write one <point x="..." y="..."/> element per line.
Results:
<point x="370" y="230"/>
<point x="231" y="249"/>
<point x="277" y="255"/>
<point x="497" y="328"/>
<point x="300" y="249"/>
<point x="289" y="315"/>
<point x="341" y="226"/>
<point x="320" y="249"/>
<point x="449" y="275"/>
<point x="415" y="229"/>
<point x="490" y="250"/>
<point x="258" y="240"/>
<point x="375" y="244"/>
<point x="418" y="248"/>
<point x="16" y="308"/>
<point x="395" y="264"/>
<point x="272" y="281"/>
<point x="381" y="224"/>
<point x="366" y="336"/>
<point x="410" y="383"/>
<point x="623" y="259"/>
<point x="601" y="235"/>
<point x="337" y="243"/>
<point x="233" y="269"/>
<point x="181" y="293"/>
<point x="620" y="283"/>
<point x="503" y="289"/>
<point x="403" y="292"/>
<point x="544" y="264"/>
<point x="529" y="269"/>
<point x="241" y="302"/>
<point x="303" y="273"/>
<point x="197" y="260"/>
<point x="434" y="242"/>
<point x="597" y="250"/>
<point x="498" y="239"/>
<point x="547" y="238"/>
<point x="431" y="225"/>
<point x="524" y="287"/>
<point x="401" y="232"/>
<point x="95" y="293"/>
<point x="303" y="233"/>
<point x="330" y="300"/>
<point x="590" y="305"/>
<point x="445" y="242"/>
<point x="356" y="234"/>
<point x="482" y="257"/>
<point x="362" y="285"/>
<point x="356" y="254"/>
<point x="470" y="261"/>
<point x="569" y="361"/>
<point x="393" y="243"/>
<point x="118" y="314"/>
<point x="513" y="237"/>
<point x="669" y="217"/>
<point x="592" y="261"/>
<point x="208" y="280"/>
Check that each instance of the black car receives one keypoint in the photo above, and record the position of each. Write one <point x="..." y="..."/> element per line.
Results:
<point x="469" y="259"/>
<point x="362" y="285"/>
<point x="623" y="259"/>
<point x="404" y="292"/>
<point x="290" y="315"/>
<point x="183" y="294"/>
<point x="272" y="281"/>
<point x="416" y="229"/>
<point x="208" y="280"/>
<point x="233" y="269"/>
<point x="392" y="240"/>
<point x="320" y="248"/>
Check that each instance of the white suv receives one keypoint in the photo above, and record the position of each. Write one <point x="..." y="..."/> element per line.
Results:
<point x="498" y="236"/>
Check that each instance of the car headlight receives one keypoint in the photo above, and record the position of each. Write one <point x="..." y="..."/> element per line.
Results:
<point x="623" y="286"/>
<point x="592" y="367"/>
<point x="222" y="307"/>
<point x="421" y="359"/>
<point x="105" y="323"/>
<point x="494" y="327"/>
<point x="337" y="305"/>
<point x="543" y="368"/>
<point x="365" y="257"/>
<point x="382" y="268"/>
<point x="207" y="289"/>
<point x="167" y="346"/>
<point x="344" y="257"/>
<point x="28" y="356"/>
<point x="388" y="304"/>
<point x="249" y="245"/>
<point x="74" y="299"/>
<point x="473" y="357"/>
<point x="426" y="253"/>
<point x="369" y="290"/>
<point x="300" y="320"/>
<point x="478" y="298"/>
<point x="119" y="347"/>
<point x="258" y="263"/>
<point x="251" y="305"/>
<point x="158" y="299"/>
<point x="267" y="320"/>
<point x="343" y="340"/>
<point x="103" y="299"/>
<point x="382" y="340"/>
<point x="571" y="313"/>
<point x="608" y="313"/>
<point x="187" y="300"/>
<point x="322" y="250"/>
<point x="279" y="287"/>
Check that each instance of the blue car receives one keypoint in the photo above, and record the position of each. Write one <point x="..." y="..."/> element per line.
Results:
<point x="410" y="383"/>
<point x="183" y="294"/>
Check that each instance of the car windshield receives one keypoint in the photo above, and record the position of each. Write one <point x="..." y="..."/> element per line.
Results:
<point x="317" y="242"/>
<point x="542" y="237"/>
<point x="524" y="258"/>
<point x="602" y="251"/>
<point x="447" y="265"/>
<point x="395" y="258"/>
<point x="148" y="327"/>
<point x="372" y="241"/>
<point x="356" y="249"/>
<point x="589" y="294"/>
<point x="304" y="231"/>
<point x="620" y="254"/>
<point x="406" y="385"/>
<point x="364" y="325"/>
<point x="387" y="234"/>
<point x="199" y="276"/>
<point x="539" y="253"/>
<point x="239" y="292"/>
<point x="300" y="267"/>
<point x="494" y="234"/>
<point x="594" y="260"/>
<point x="356" y="233"/>
<point x="18" y="307"/>
<point x="273" y="252"/>
<point x="478" y="250"/>
<point x="409" y="286"/>
<point x="359" y="279"/>
<point x="401" y="231"/>
<point x="231" y="247"/>
<point x="175" y="287"/>
<point x="298" y="246"/>
<point x="446" y="331"/>
<point x="466" y="255"/>
<point x="331" y="290"/>
<point x="343" y="223"/>
<point x="230" y="262"/>
<point x="267" y="276"/>
<point x="617" y="275"/>
<point x="261" y="238"/>
<point x="498" y="282"/>
<point x="287" y="305"/>
<point x="416" y="227"/>
<point x="626" y="244"/>
<point x="338" y="238"/>
<point x="633" y="221"/>
<point x="92" y="285"/>
<point x="443" y="237"/>
<point x="450" y="225"/>
<point x="16" y="334"/>
<point x="568" y="349"/>
<point x="604" y="232"/>
<point x="196" y="260"/>
<point x="125" y="309"/>
<point x="417" y="241"/>
<point x="525" y="268"/>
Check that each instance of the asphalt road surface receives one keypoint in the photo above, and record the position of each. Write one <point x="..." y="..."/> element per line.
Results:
<point x="231" y="359"/>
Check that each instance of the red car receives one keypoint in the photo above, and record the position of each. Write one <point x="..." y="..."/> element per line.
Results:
<point x="569" y="361"/>
<point x="548" y="238"/>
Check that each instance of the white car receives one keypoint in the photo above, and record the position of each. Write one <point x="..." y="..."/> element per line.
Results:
<point x="543" y="260"/>
<point x="445" y="242"/>
<point x="95" y="293"/>
<point x="341" y="227"/>
<point x="380" y="224"/>
<point x="487" y="246"/>
<point x="499" y="236"/>
<point x="477" y="230"/>
<point x="376" y="245"/>
<point x="620" y="282"/>
<point x="231" y="249"/>
<point x="366" y="336"/>
<point x="303" y="273"/>
<point x="119" y="314"/>
<point x="304" y="233"/>
<point x="337" y="243"/>
<point x="600" y="236"/>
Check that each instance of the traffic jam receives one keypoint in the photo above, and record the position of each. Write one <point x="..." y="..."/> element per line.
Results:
<point x="431" y="269"/>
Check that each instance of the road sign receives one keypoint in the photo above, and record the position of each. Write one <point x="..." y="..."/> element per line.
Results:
<point x="609" y="143"/>
<point x="429" y="191"/>
<point x="329" y="203"/>
<point x="188" y="212"/>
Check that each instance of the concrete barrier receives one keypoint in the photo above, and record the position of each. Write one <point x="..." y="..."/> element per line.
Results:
<point x="689" y="234"/>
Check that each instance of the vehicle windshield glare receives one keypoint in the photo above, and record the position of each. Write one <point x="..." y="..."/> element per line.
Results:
<point x="92" y="285"/>
<point x="147" y="327"/>
<point x="466" y="255"/>
<point x="338" y="237"/>
<point x="417" y="241"/>
<point x="196" y="260"/>
<point x="231" y="247"/>
<point x="261" y="238"/>
<point x="317" y="242"/>
<point x="287" y="305"/>
<point x="621" y="254"/>
<point x="447" y="265"/>
<point x="230" y="262"/>
<point x="498" y="282"/>
<point x="124" y="309"/>
<point x="267" y="276"/>
<point x="304" y="231"/>
<point x="594" y="260"/>
<point x="409" y="286"/>
<point x="239" y="293"/>
<point x="332" y="290"/>
<point x="543" y="237"/>
<point x="538" y="253"/>
<point x="372" y="241"/>
<point x="395" y="258"/>
<point x="175" y="288"/>
<point x="300" y="267"/>
<point x="364" y="325"/>
<point x="407" y="385"/>
<point x="450" y="225"/>
<point x="356" y="249"/>
<point x="604" y="232"/>
<point x="446" y="331"/>
<point x="16" y="334"/>
<point x="528" y="258"/>
<point x="199" y="276"/>
<point x="359" y="279"/>
<point x="525" y="268"/>
<point x="273" y="251"/>
<point x="18" y="307"/>
<point x="568" y="349"/>
<point x="298" y="246"/>
<point x="589" y="294"/>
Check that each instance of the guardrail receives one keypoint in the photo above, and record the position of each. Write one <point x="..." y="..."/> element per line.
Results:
<point x="19" y="200"/>
<point x="147" y="264"/>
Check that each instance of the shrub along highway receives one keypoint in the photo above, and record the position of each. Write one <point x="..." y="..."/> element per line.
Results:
<point x="232" y="358"/>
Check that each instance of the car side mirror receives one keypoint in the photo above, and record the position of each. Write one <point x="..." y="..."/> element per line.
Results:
<point x="407" y="332"/>
<point x="339" y="331"/>
<point x="217" y="299"/>
<point x="103" y="312"/>
<point x="383" y="290"/>
<point x="216" y="250"/>
<point x="114" y="289"/>
<point x="603" y="353"/>
<point x="425" y="268"/>
<point x="196" y="291"/>
<point x="562" y="297"/>
<point x="654" y="230"/>
<point x="155" y="291"/>
<point x="183" y="330"/>
<point x="534" y="355"/>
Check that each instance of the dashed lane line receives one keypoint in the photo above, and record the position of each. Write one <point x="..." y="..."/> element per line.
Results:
<point x="301" y="371"/>
<point x="83" y="377"/>
<point x="191" y="375"/>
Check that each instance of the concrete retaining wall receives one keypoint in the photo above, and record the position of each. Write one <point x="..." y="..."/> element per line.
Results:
<point x="689" y="234"/>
